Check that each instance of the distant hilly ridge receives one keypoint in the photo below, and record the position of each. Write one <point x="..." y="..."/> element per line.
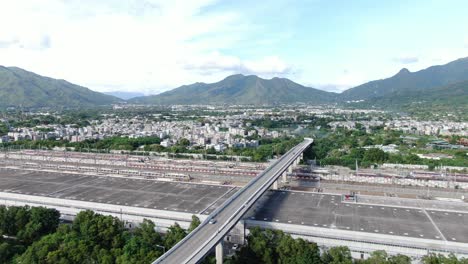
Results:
<point x="125" y="95"/>
<point x="433" y="83"/>
<point x="240" y="89"/>
<point x="20" y="88"/>
<point x="406" y="81"/>
<point x="451" y="97"/>
<point x="443" y="85"/>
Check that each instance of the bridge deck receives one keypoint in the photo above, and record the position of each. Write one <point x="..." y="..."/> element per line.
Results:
<point x="197" y="244"/>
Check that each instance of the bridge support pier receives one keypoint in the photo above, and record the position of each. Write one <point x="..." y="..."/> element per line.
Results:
<point x="285" y="176"/>
<point x="219" y="253"/>
<point x="237" y="234"/>
<point x="275" y="185"/>
<point x="298" y="160"/>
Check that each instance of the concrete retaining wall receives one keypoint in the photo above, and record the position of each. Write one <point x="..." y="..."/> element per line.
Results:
<point x="132" y="215"/>
<point x="360" y="242"/>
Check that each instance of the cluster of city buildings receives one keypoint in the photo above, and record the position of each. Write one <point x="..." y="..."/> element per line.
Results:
<point x="213" y="132"/>
<point x="390" y="148"/>
<point x="432" y="128"/>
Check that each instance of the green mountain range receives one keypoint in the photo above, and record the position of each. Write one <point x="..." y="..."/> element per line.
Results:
<point x="406" y="81"/>
<point x="444" y="85"/>
<point x="448" y="97"/>
<point x="240" y="89"/>
<point x="20" y="88"/>
<point x="396" y="91"/>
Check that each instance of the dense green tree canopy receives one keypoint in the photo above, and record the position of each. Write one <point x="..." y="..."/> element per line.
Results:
<point x="33" y="235"/>
<point x="36" y="237"/>
<point x="194" y="224"/>
<point x="271" y="247"/>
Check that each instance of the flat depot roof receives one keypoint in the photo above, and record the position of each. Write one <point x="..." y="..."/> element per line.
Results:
<point x="313" y="209"/>
<point x="327" y="210"/>
<point x="171" y="196"/>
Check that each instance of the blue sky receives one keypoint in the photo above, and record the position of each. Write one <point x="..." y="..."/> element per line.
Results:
<point x="152" y="46"/>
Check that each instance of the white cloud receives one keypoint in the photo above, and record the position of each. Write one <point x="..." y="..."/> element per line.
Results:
<point x="344" y="80"/>
<point x="213" y="62"/>
<point x="406" y="59"/>
<point x="271" y="65"/>
<point x="131" y="45"/>
<point x="216" y="62"/>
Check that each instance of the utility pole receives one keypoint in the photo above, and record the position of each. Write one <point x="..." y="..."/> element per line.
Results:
<point x="357" y="168"/>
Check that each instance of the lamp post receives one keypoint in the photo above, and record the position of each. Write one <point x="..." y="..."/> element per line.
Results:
<point x="163" y="248"/>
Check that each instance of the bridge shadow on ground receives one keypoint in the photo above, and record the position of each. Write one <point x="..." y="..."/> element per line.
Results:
<point x="267" y="208"/>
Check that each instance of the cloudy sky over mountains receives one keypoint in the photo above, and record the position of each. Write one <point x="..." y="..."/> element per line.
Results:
<point x="152" y="46"/>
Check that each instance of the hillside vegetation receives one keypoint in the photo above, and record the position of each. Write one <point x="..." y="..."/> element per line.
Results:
<point x="20" y="88"/>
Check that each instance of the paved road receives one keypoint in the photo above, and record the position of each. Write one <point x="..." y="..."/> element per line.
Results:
<point x="199" y="243"/>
